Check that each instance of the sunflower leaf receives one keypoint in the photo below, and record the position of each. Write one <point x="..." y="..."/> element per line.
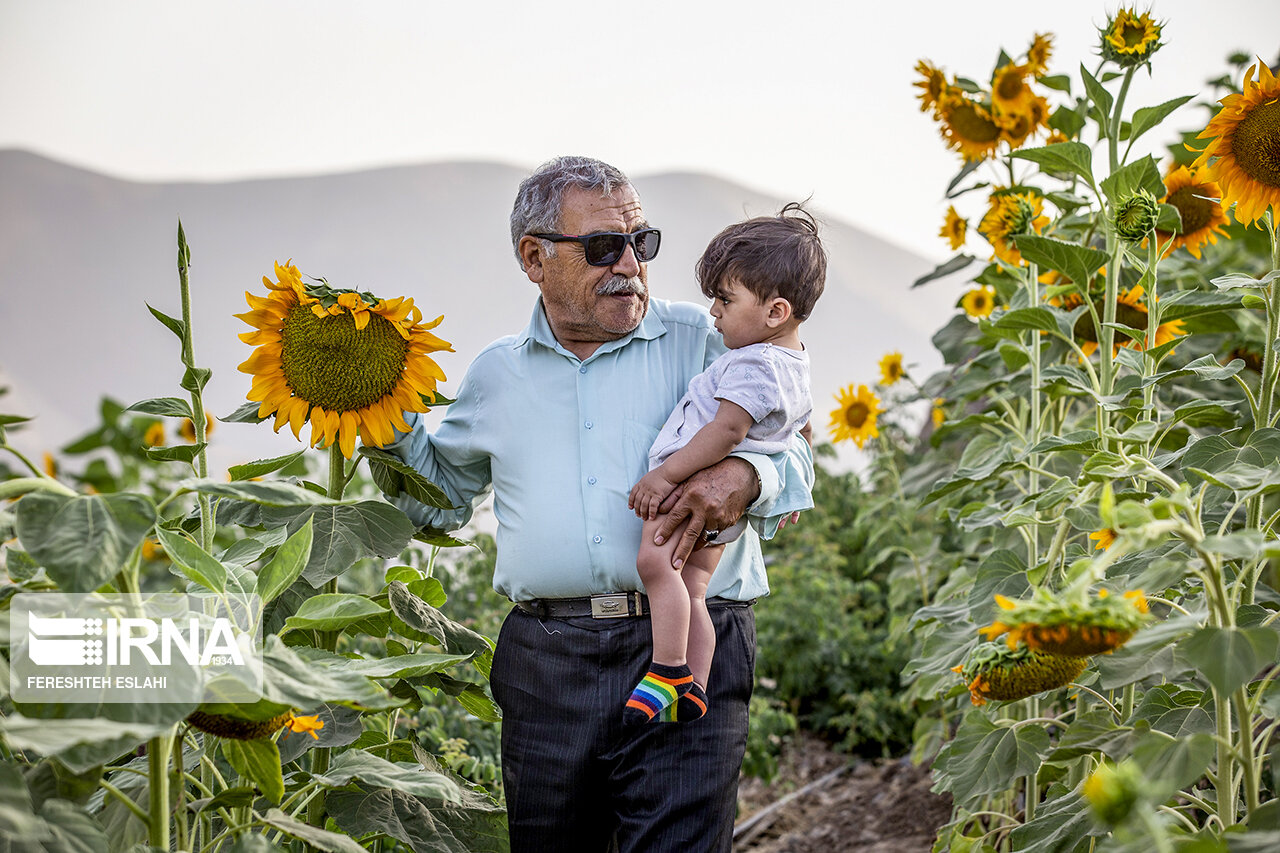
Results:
<point x="1058" y="82"/>
<point x="321" y="839"/>
<point x="178" y="453"/>
<point x="1239" y="279"/>
<point x="1098" y="94"/>
<point x="1041" y="319"/>
<point x="984" y="756"/>
<point x="82" y="541"/>
<point x="1148" y="117"/>
<point x="965" y="171"/>
<point x="331" y="612"/>
<point x="1205" y="367"/>
<point x="246" y="414"/>
<point x="395" y="478"/>
<point x="1141" y="174"/>
<point x="178" y="327"/>
<point x="1170" y="219"/>
<point x="260" y="467"/>
<point x="1189" y="303"/>
<point x="259" y="762"/>
<point x="1077" y="263"/>
<point x="1230" y="657"/>
<point x="173" y="407"/>
<point x="1069" y="157"/>
<point x="956" y="264"/>
<point x="439" y="538"/>
<point x="194" y="562"/>
<point x="195" y="378"/>
<point x="10" y="420"/>
<point x="287" y="564"/>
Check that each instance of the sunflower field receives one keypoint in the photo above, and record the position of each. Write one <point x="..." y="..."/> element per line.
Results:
<point x="1096" y="647"/>
<point x="375" y="729"/>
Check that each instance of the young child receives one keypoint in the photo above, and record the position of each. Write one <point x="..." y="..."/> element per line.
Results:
<point x="763" y="277"/>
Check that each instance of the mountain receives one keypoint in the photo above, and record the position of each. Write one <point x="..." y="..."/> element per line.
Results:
<point x="82" y="254"/>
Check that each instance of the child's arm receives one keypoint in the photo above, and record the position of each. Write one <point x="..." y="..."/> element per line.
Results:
<point x="708" y="446"/>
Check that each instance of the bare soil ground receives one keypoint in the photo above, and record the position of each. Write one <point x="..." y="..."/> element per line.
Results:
<point x="852" y="805"/>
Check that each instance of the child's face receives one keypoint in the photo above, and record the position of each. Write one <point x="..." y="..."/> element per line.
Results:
<point x="740" y="316"/>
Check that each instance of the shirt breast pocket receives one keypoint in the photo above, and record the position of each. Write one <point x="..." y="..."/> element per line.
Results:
<point x="637" y="438"/>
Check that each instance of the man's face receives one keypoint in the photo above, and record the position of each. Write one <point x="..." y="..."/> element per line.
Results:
<point x="588" y="305"/>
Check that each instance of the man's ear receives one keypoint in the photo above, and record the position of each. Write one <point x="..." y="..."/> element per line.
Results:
<point x="779" y="312"/>
<point x="531" y="257"/>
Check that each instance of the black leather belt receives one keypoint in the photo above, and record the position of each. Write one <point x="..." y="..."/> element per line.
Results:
<point x="614" y="605"/>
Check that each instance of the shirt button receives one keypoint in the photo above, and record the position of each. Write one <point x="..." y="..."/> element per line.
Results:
<point x="596" y="540"/>
<point x="588" y="424"/>
<point x="591" y="480"/>
<point x="582" y="370"/>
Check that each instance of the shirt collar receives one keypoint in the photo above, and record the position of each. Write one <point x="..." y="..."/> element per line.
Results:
<point x="539" y="331"/>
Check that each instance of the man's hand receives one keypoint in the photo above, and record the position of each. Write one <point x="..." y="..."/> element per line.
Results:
<point x="648" y="494"/>
<point x="712" y="499"/>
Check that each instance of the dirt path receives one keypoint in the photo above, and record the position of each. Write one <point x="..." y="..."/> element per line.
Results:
<point x="824" y="802"/>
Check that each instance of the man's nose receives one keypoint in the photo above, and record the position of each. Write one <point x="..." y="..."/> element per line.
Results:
<point x="627" y="264"/>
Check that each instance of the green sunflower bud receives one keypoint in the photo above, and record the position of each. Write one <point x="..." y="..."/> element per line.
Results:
<point x="1113" y="790"/>
<point x="236" y="728"/>
<point x="1135" y="217"/>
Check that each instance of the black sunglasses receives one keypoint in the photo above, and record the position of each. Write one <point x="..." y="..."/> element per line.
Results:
<point x="603" y="248"/>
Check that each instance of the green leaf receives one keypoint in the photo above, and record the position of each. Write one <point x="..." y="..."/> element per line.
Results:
<point x="259" y="762"/>
<point x="437" y="537"/>
<point x="345" y="533"/>
<point x="287" y="564"/>
<point x="945" y="269"/>
<point x="272" y="494"/>
<point x="1178" y="713"/>
<point x="82" y="541"/>
<point x="227" y="798"/>
<point x="262" y="467"/>
<point x="1230" y="657"/>
<point x="1077" y="263"/>
<point x="10" y="420"/>
<point x="1205" y="367"/>
<point x="1169" y="219"/>
<point x="1027" y="318"/>
<point x="322" y="839"/>
<point x="246" y="414"/>
<point x="395" y="478"/>
<point x="985" y="758"/>
<point x="1137" y="658"/>
<point x="195" y="378"/>
<point x="356" y="765"/>
<point x="1002" y="573"/>
<point x="473" y="826"/>
<point x="177" y="453"/>
<point x="402" y="666"/>
<point x="429" y="590"/>
<point x="417" y="620"/>
<point x="195" y="563"/>
<point x="1098" y="95"/>
<point x="1216" y="453"/>
<point x="1193" y="303"/>
<point x="176" y="326"/>
<point x="61" y="737"/>
<point x="1141" y="174"/>
<point x="1171" y="764"/>
<point x="1205" y="413"/>
<point x="1057" y="82"/>
<point x="965" y="171"/>
<point x="1239" y="279"/>
<point x="342" y="727"/>
<point x="1067" y="120"/>
<point x="1073" y="158"/>
<point x="1061" y="825"/>
<point x="1094" y="731"/>
<point x="300" y="678"/>
<point x="173" y="407"/>
<point x="331" y="612"/>
<point x="1146" y="118"/>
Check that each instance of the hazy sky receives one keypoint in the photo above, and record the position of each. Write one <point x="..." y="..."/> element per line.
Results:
<point x="795" y="98"/>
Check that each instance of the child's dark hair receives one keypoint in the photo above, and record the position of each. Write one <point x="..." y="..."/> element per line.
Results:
<point x="769" y="256"/>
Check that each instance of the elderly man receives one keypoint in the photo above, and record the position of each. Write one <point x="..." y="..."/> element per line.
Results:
<point x="557" y="420"/>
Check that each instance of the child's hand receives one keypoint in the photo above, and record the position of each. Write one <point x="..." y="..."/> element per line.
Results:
<point x="648" y="494"/>
<point x="794" y="518"/>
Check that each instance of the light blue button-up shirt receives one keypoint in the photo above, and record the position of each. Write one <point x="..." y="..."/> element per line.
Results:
<point x="561" y="440"/>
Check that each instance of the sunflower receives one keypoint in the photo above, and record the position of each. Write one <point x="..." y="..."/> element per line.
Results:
<point x="1010" y="91"/>
<point x="1113" y="790"/>
<point x="855" y="417"/>
<point x="979" y="302"/>
<point x="305" y="725"/>
<point x="50" y="464"/>
<point x="891" y="369"/>
<point x="968" y="126"/>
<point x="1130" y="39"/>
<point x="1038" y="54"/>
<point x="346" y="362"/>
<point x="933" y="86"/>
<point x="154" y="436"/>
<point x="939" y="413"/>
<point x="152" y="550"/>
<point x="1103" y="537"/>
<point x="1011" y="214"/>
<point x="1245" y="147"/>
<point x="996" y="671"/>
<point x="954" y="228"/>
<point x="236" y="727"/>
<point x="1055" y="137"/>
<point x="1131" y="311"/>
<point x="1199" y="202"/>
<point x="1070" y="627"/>
<point x="187" y="429"/>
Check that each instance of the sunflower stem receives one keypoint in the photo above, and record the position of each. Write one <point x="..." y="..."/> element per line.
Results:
<point x="197" y="396"/>
<point x="1113" y="134"/>
<point x="1153" y="323"/>
<point x="1244" y="732"/>
<point x="158" y="754"/>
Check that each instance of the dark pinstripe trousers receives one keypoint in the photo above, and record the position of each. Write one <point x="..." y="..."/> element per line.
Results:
<point x="575" y="779"/>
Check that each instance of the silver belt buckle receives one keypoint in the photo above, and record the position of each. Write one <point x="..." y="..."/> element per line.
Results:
<point x="612" y="606"/>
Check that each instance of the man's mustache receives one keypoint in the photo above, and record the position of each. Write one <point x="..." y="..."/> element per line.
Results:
<point x="621" y="284"/>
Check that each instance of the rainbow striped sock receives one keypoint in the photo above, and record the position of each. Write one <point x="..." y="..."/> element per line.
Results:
<point x="660" y="689"/>
<point x="692" y="705"/>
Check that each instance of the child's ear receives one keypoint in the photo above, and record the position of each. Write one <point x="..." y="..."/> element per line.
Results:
<point x="779" y="312"/>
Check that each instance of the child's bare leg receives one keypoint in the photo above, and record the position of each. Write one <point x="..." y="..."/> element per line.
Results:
<point x="668" y="677"/>
<point x="702" y="634"/>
